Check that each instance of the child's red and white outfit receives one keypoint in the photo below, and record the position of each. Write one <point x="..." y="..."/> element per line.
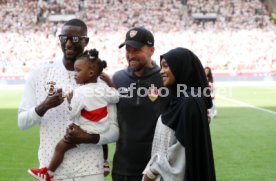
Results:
<point x="88" y="107"/>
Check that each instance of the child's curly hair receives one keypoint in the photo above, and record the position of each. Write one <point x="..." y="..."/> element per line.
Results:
<point x="93" y="56"/>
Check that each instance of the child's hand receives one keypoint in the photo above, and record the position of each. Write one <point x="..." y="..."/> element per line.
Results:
<point x="69" y="96"/>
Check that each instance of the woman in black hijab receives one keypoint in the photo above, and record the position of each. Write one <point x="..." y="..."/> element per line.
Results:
<point x="182" y="148"/>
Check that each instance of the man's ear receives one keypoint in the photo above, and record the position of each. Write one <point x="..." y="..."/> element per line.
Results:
<point x="86" y="41"/>
<point x="152" y="49"/>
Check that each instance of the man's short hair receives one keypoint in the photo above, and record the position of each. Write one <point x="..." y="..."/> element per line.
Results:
<point x="77" y="22"/>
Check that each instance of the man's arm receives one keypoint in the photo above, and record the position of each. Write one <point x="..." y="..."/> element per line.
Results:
<point x="29" y="113"/>
<point x="112" y="134"/>
<point x="27" y="116"/>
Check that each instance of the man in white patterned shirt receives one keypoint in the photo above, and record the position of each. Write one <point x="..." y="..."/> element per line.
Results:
<point x="49" y="112"/>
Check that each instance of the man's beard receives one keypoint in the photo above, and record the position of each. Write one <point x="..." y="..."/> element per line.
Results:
<point x="138" y="68"/>
<point x="71" y="59"/>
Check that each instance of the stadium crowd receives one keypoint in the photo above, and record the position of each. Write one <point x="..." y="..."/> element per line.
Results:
<point x="240" y="38"/>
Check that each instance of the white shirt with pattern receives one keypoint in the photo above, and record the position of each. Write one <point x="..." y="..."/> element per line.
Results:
<point x="87" y="159"/>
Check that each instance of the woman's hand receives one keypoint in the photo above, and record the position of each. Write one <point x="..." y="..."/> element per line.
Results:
<point x="146" y="178"/>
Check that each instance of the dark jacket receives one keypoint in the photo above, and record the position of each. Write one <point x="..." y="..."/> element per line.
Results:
<point x="137" y="117"/>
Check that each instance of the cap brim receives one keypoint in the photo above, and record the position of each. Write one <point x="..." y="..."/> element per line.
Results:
<point x="132" y="43"/>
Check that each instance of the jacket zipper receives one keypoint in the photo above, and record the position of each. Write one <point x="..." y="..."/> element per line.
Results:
<point x="137" y="97"/>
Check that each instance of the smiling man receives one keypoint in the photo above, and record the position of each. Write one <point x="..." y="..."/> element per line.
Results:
<point x="84" y="162"/>
<point x="138" y="112"/>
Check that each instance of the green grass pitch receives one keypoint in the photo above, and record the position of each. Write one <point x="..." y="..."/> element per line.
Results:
<point x="243" y="136"/>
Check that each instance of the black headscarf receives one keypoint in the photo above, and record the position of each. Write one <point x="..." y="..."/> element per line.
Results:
<point x="186" y="113"/>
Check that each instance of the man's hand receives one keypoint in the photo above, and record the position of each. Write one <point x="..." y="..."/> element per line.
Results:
<point x="54" y="100"/>
<point x="107" y="79"/>
<point x="75" y="135"/>
<point x="51" y="101"/>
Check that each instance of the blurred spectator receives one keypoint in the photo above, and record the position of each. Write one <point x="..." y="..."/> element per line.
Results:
<point x="212" y="112"/>
<point x="241" y="39"/>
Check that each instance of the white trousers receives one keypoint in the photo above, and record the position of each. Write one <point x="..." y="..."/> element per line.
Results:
<point x="98" y="177"/>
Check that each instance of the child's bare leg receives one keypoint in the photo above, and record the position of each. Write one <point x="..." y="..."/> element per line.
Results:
<point x="105" y="152"/>
<point x="57" y="158"/>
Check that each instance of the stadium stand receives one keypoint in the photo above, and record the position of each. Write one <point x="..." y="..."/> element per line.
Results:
<point x="233" y="37"/>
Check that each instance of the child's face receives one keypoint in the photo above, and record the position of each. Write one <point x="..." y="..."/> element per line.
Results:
<point x="166" y="74"/>
<point x="84" y="72"/>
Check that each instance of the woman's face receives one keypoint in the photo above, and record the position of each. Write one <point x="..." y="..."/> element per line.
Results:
<point x="166" y="74"/>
